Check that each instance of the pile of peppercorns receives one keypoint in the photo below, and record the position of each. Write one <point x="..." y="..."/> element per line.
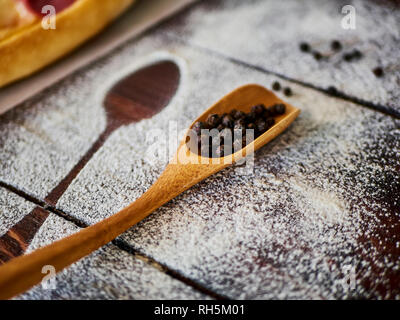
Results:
<point x="231" y="129"/>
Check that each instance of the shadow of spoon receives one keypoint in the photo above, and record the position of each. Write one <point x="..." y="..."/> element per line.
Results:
<point x="138" y="96"/>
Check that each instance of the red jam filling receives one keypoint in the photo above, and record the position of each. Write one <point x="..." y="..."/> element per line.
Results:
<point x="35" y="6"/>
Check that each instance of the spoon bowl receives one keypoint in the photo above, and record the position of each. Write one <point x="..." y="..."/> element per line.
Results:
<point x="242" y="99"/>
<point x="181" y="173"/>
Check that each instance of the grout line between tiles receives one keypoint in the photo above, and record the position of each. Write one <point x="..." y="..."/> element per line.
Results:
<point x="123" y="245"/>
<point x="23" y="194"/>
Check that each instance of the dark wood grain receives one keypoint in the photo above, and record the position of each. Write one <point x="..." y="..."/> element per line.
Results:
<point x="17" y="239"/>
<point x="138" y="96"/>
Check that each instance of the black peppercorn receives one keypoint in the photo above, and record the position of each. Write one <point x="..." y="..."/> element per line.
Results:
<point x="225" y="136"/>
<point x="233" y="113"/>
<point x="240" y="124"/>
<point x="348" y="57"/>
<point x="198" y="126"/>
<point x="332" y="90"/>
<point x="287" y="91"/>
<point x="269" y="112"/>
<point x="258" y="109"/>
<point x="239" y="130"/>
<point x="378" y="72"/>
<point x="336" y="45"/>
<point x="251" y="126"/>
<point x="251" y="117"/>
<point x="227" y="121"/>
<point x="239" y="115"/>
<point x="213" y="120"/>
<point x="270" y="122"/>
<point x="317" y="55"/>
<point x="261" y="126"/>
<point x="305" y="47"/>
<point x="354" y="55"/>
<point x="279" y="109"/>
<point x="276" y="86"/>
<point x="357" y="54"/>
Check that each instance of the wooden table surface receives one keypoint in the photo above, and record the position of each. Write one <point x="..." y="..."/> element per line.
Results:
<point x="317" y="218"/>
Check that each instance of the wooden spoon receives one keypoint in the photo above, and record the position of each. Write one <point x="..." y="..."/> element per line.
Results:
<point x="185" y="170"/>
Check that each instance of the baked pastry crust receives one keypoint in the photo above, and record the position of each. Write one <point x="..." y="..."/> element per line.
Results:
<point x="14" y="16"/>
<point x="32" y="47"/>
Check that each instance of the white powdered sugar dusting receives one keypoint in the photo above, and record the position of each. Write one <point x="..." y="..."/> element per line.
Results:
<point x="291" y="229"/>
<point x="12" y="209"/>
<point x="318" y="217"/>
<point x="108" y="273"/>
<point x="274" y="29"/>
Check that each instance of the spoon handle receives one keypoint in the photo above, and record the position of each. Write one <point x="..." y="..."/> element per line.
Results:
<point x="53" y="197"/>
<point x="21" y="273"/>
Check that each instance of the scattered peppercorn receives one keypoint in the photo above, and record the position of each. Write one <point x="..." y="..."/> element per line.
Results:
<point x="354" y="55"/>
<point x="332" y="90"/>
<point x="305" y="47"/>
<point x="276" y="86"/>
<point x="357" y="54"/>
<point x="287" y="91"/>
<point x="223" y="129"/>
<point x="378" y="72"/>
<point x="336" y="45"/>
<point x="317" y="55"/>
<point x="348" y="57"/>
